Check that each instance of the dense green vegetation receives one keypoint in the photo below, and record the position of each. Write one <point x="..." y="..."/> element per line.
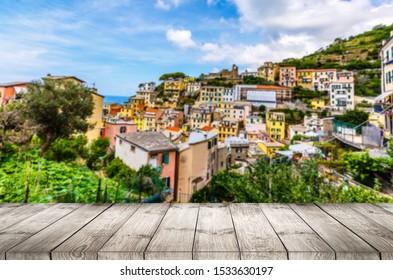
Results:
<point x="174" y="75"/>
<point x="26" y="177"/>
<point x="281" y="182"/>
<point x="360" y="52"/>
<point x="356" y="117"/>
<point x="292" y="116"/>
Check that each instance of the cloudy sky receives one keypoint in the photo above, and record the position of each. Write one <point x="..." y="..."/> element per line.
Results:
<point x="117" y="44"/>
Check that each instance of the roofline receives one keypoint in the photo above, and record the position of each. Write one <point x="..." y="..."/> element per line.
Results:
<point x="155" y="151"/>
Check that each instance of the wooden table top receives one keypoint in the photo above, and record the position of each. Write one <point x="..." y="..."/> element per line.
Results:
<point x="196" y="231"/>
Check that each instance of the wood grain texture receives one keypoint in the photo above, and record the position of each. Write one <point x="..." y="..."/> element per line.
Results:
<point x="20" y="213"/>
<point x="19" y="232"/>
<point x="373" y="233"/>
<point x="85" y="244"/>
<point x="346" y="244"/>
<point x="215" y="236"/>
<point x="375" y="213"/>
<point x="386" y="206"/>
<point x="175" y="235"/>
<point x="6" y="207"/>
<point x="131" y="240"/>
<point x="298" y="238"/>
<point x="40" y="245"/>
<point x="256" y="237"/>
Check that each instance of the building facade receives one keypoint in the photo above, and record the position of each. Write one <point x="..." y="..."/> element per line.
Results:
<point x="275" y="125"/>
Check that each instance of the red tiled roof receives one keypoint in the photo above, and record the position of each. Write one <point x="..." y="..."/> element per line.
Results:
<point x="152" y="110"/>
<point x="171" y="128"/>
<point x="273" y="87"/>
<point x="207" y="128"/>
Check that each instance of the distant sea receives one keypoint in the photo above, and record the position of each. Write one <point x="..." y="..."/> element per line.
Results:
<point x="119" y="99"/>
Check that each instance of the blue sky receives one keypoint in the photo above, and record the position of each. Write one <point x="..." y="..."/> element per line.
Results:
<point x="117" y="44"/>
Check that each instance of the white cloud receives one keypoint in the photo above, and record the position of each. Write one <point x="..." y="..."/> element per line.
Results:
<point x="167" y="4"/>
<point x="181" y="38"/>
<point x="294" y="28"/>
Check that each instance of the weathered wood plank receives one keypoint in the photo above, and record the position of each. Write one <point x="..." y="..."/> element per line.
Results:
<point x="215" y="236"/>
<point x="40" y="245"/>
<point x="175" y="235"/>
<point x="373" y="233"/>
<point x="20" y="213"/>
<point x="131" y="240"/>
<point x="386" y="206"/>
<point x="375" y="213"/>
<point x="7" y="207"/>
<point x="347" y="245"/>
<point x="301" y="242"/>
<point x="256" y="237"/>
<point x="85" y="244"/>
<point x="19" y="232"/>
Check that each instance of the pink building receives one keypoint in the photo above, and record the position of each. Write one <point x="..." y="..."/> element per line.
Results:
<point x="344" y="77"/>
<point x="241" y="110"/>
<point x="113" y="127"/>
<point x="287" y="76"/>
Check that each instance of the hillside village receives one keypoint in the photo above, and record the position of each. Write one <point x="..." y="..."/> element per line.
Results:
<point x="191" y="128"/>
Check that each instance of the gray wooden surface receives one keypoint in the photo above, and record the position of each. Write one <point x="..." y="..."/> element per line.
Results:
<point x="196" y="231"/>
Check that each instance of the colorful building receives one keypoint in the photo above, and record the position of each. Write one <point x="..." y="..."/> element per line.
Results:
<point x="269" y="96"/>
<point x="342" y="96"/>
<point x="148" y="97"/>
<point x="174" y="88"/>
<point x="139" y="120"/>
<point x="211" y="94"/>
<point x="275" y="125"/>
<point x="201" y="117"/>
<point x="150" y="86"/>
<point x="269" y="148"/>
<point x="305" y="78"/>
<point x="318" y="104"/>
<point x="269" y="71"/>
<point x="11" y="91"/>
<point x="152" y="116"/>
<point x="115" y="127"/>
<point x="141" y="148"/>
<point x="229" y="127"/>
<point x="287" y="76"/>
<point x="198" y="162"/>
<point x="323" y="78"/>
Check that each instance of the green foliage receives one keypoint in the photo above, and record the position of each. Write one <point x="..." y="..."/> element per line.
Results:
<point x="218" y="82"/>
<point x="174" y="75"/>
<point x="363" y="167"/>
<point x="355" y="117"/>
<point x="294" y="116"/>
<point x="118" y="170"/>
<point x="262" y="108"/>
<point x="51" y="182"/>
<point x="96" y="152"/>
<point x="67" y="150"/>
<point x="281" y="182"/>
<point x="251" y="80"/>
<point x="307" y="94"/>
<point x="58" y="108"/>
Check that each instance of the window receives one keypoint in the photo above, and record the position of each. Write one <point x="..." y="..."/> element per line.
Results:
<point x="165" y="158"/>
<point x="132" y="149"/>
<point x="167" y="181"/>
<point x="215" y="141"/>
<point x="222" y="163"/>
<point x="209" y="145"/>
<point x="121" y="142"/>
<point x="208" y="176"/>
<point x="123" y="129"/>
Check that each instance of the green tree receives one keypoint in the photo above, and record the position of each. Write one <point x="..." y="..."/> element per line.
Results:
<point x="67" y="149"/>
<point x="174" y="75"/>
<point x="97" y="149"/>
<point x="356" y="117"/>
<point x="262" y="108"/>
<point x="58" y="108"/>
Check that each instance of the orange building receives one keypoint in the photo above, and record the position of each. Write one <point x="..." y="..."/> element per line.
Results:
<point x="11" y="91"/>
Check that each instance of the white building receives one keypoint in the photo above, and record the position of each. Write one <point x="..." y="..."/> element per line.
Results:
<point x="151" y="86"/>
<point x="193" y="88"/>
<point x="342" y="96"/>
<point x="229" y="95"/>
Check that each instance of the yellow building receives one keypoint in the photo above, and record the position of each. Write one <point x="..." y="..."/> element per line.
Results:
<point x="174" y="88"/>
<point x="126" y="111"/>
<point x="148" y="96"/>
<point x="275" y="125"/>
<point x="211" y="94"/>
<point x="270" y="147"/>
<point x="377" y="119"/>
<point x="269" y="71"/>
<point x="139" y="119"/>
<point x="201" y="117"/>
<point x="96" y="117"/>
<point x="305" y="78"/>
<point x="318" y="104"/>
<point x="229" y="127"/>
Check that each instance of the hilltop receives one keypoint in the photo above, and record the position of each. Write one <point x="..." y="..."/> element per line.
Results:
<point x="359" y="53"/>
